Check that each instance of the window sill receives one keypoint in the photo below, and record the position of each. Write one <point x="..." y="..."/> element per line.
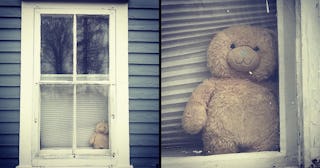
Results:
<point x="97" y="161"/>
<point x="79" y="153"/>
<point x="259" y="159"/>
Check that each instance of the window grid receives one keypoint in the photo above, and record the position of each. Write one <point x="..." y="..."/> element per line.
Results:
<point x="109" y="81"/>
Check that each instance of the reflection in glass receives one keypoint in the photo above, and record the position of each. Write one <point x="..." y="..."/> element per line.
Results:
<point x="92" y="107"/>
<point x="56" y="116"/>
<point x="56" y="44"/>
<point x="92" y="44"/>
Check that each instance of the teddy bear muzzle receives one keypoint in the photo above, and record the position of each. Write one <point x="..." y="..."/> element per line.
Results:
<point x="243" y="59"/>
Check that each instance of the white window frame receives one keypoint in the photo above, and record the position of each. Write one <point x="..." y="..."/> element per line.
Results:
<point x="289" y="154"/>
<point x="30" y="154"/>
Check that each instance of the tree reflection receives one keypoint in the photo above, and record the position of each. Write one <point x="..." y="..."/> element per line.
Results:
<point x="57" y="44"/>
<point x="93" y="45"/>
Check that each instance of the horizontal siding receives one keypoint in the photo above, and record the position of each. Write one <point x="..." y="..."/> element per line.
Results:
<point x="187" y="28"/>
<point x="9" y="152"/>
<point x="142" y="93"/>
<point x="143" y="4"/>
<point x="10" y="3"/>
<point x="9" y="163"/>
<point x="134" y="47"/>
<point x="9" y="116"/>
<point x="9" y="92"/>
<point x="143" y="58"/>
<point x="10" y="23"/>
<point x="10" y="46"/>
<point x="144" y="140"/>
<point x="9" y="139"/>
<point x="145" y="162"/>
<point x="12" y="80"/>
<point x="144" y="82"/>
<point x="144" y="104"/>
<point x="10" y="12"/>
<point x="10" y="35"/>
<point x="144" y="116"/>
<point x="143" y="25"/>
<point x="139" y="36"/>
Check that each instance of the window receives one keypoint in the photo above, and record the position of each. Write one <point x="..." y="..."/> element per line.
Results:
<point x="74" y="74"/>
<point x="187" y="28"/>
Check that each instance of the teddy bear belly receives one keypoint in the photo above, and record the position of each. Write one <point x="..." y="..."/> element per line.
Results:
<point x="101" y="142"/>
<point x="245" y="112"/>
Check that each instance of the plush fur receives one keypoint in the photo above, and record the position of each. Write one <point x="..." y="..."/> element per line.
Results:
<point x="237" y="109"/>
<point x="100" y="138"/>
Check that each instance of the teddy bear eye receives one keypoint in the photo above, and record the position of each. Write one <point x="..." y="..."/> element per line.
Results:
<point x="256" y="48"/>
<point x="232" y="46"/>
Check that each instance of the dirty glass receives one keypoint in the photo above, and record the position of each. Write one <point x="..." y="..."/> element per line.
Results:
<point x="72" y="102"/>
<point x="92" y="107"/>
<point x="56" y="44"/>
<point x="92" y="44"/>
<point x="56" y="120"/>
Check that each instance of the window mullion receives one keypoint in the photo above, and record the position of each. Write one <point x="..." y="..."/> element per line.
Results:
<point x="74" y="141"/>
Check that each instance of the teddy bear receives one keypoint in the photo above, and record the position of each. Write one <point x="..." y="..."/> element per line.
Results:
<point x="236" y="109"/>
<point x="100" y="138"/>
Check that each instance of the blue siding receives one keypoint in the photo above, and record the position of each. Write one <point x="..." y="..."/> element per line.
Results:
<point x="144" y="82"/>
<point x="10" y="33"/>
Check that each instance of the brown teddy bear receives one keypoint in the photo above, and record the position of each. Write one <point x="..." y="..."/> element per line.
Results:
<point x="236" y="109"/>
<point x="100" y="138"/>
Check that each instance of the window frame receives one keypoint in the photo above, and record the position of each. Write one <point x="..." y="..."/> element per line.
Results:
<point x="110" y="82"/>
<point x="118" y="86"/>
<point x="290" y="140"/>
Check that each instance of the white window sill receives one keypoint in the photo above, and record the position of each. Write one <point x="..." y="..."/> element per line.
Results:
<point x="256" y="159"/>
<point x="93" y="162"/>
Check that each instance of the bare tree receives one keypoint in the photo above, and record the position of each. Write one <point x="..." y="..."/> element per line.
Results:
<point x="56" y="44"/>
<point x="92" y="44"/>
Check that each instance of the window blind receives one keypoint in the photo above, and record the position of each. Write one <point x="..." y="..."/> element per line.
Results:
<point x="57" y="114"/>
<point x="187" y="27"/>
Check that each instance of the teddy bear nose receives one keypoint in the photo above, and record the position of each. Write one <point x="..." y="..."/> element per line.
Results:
<point x="243" y="59"/>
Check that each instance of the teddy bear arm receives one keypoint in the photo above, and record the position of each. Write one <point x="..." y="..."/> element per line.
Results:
<point x="272" y="87"/>
<point x="195" y="114"/>
<point x="92" y="138"/>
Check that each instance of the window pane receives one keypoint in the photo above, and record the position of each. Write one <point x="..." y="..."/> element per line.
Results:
<point x="92" y="107"/>
<point x="92" y="44"/>
<point x="56" y="44"/>
<point x="56" y="116"/>
<point x="187" y="31"/>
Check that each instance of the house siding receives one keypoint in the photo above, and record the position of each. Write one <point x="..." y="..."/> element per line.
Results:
<point x="10" y="18"/>
<point x="143" y="82"/>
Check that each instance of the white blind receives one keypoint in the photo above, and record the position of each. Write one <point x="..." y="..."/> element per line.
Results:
<point x="57" y="114"/>
<point x="187" y="26"/>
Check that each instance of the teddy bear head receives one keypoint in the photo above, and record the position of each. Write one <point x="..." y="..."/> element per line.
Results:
<point x="243" y="52"/>
<point x="102" y="127"/>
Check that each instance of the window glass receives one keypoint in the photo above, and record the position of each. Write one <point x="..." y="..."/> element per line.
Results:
<point x="92" y="44"/>
<point x="56" y="44"/>
<point x="56" y="116"/>
<point x="92" y="107"/>
<point x="72" y="103"/>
